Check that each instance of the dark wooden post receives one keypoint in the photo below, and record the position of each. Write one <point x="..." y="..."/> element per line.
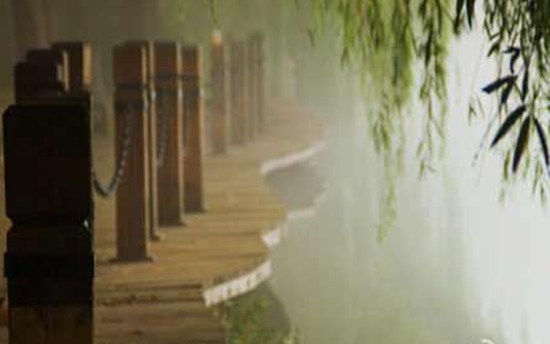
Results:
<point x="42" y="79"/>
<point x="80" y="64"/>
<point x="152" y="135"/>
<point x="49" y="261"/>
<point x="170" y="177"/>
<point x="217" y="109"/>
<point x="133" y="198"/>
<point x="238" y="115"/>
<point x="49" y="56"/>
<point x="194" y="129"/>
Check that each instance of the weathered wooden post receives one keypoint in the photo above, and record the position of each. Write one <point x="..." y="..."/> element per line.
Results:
<point x="170" y="177"/>
<point x="49" y="261"/>
<point x="152" y="135"/>
<point x="80" y="64"/>
<point x="194" y="129"/>
<point x="34" y="79"/>
<point x="80" y="77"/>
<point x="218" y="110"/>
<point x="238" y="115"/>
<point x="133" y="198"/>
<point x="49" y="56"/>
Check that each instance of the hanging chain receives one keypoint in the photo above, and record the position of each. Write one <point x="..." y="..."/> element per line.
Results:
<point x="187" y="96"/>
<point x="108" y="190"/>
<point x="162" y="130"/>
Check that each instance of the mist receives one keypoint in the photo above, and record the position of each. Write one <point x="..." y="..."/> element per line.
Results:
<point x="457" y="263"/>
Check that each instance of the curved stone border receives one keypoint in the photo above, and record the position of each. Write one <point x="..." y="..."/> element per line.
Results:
<point x="283" y="162"/>
<point x="249" y="281"/>
<point x="273" y="237"/>
<point x="309" y="211"/>
<point x="241" y="285"/>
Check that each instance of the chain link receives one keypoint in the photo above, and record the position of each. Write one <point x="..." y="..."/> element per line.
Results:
<point x="187" y="96"/>
<point x="108" y="190"/>
<point x="162" y="130"/>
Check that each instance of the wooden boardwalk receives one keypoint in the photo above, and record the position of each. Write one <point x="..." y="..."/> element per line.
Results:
<point x="218" y="255"/>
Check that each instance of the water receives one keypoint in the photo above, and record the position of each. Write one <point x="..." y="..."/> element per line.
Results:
<point x="340" y="286"/>
<point x="458" y="267"/>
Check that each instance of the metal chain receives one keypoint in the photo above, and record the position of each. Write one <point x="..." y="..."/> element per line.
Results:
<point x="108" y="190"/>
<point x="162" y="131"/>
<point x="187" y="95"/>
<point x="99" y="118"/>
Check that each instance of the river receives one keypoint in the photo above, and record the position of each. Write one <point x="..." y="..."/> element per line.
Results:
<point x="458" y="266"/>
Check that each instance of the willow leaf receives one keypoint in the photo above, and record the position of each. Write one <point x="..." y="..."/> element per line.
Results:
<point x="525" y="85"/>
<point x="495" y="85"/>
<point x="543" y="143"/>
<point x="508" y="124"/>
<point x="470" y="7"/>
<point x="458" y="13"/>
<point x="494" y="48"/>
<point x="506" y="93"/>
<point x="515" y="55"/>
<point x="523" y="140"/>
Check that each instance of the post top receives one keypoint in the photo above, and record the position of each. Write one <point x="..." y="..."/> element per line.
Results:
<point x="130" y="65"/>
<point x="149" y="47"/>
<point x="191" y="60"/>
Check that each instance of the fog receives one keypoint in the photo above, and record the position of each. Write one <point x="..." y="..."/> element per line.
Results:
<point x="459" y="265"/>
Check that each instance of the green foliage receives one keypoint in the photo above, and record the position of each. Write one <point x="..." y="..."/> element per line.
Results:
<point x="389" y="41"/>
<point x="519" y="32"/>
<point x="244" y="319"/>
<point x="392" y="42"/>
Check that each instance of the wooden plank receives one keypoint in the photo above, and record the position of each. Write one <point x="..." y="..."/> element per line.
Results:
<point x="170" y="177"/>
<point x="49" y="260"/>
<point x="133" y="198"/>
<point x="194" y="129"/>
<point x="150" y="64"/>
<point x="218" y="111"/>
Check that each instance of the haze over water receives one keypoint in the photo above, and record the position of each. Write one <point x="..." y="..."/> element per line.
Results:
<point x="458" y="267"/>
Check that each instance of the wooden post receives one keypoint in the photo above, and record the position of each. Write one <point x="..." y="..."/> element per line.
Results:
<point x="49" y="261"/>
<point x="34" y="79"/>
<point x="80" y="64"/>
<point x="227" y="90"/>
<point x="218" y="111"/>
<point x="48" y="56"/>
<point x="259" y="57"/>
<point x="80" y="76"/>
<point x="194" y="129"/>
<point x="248" y="88"/>
<point x="133" y="198"/>
<point x="238" y="115"/>
<point x="149" y="47"/>
<point x="170" y="177"/>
